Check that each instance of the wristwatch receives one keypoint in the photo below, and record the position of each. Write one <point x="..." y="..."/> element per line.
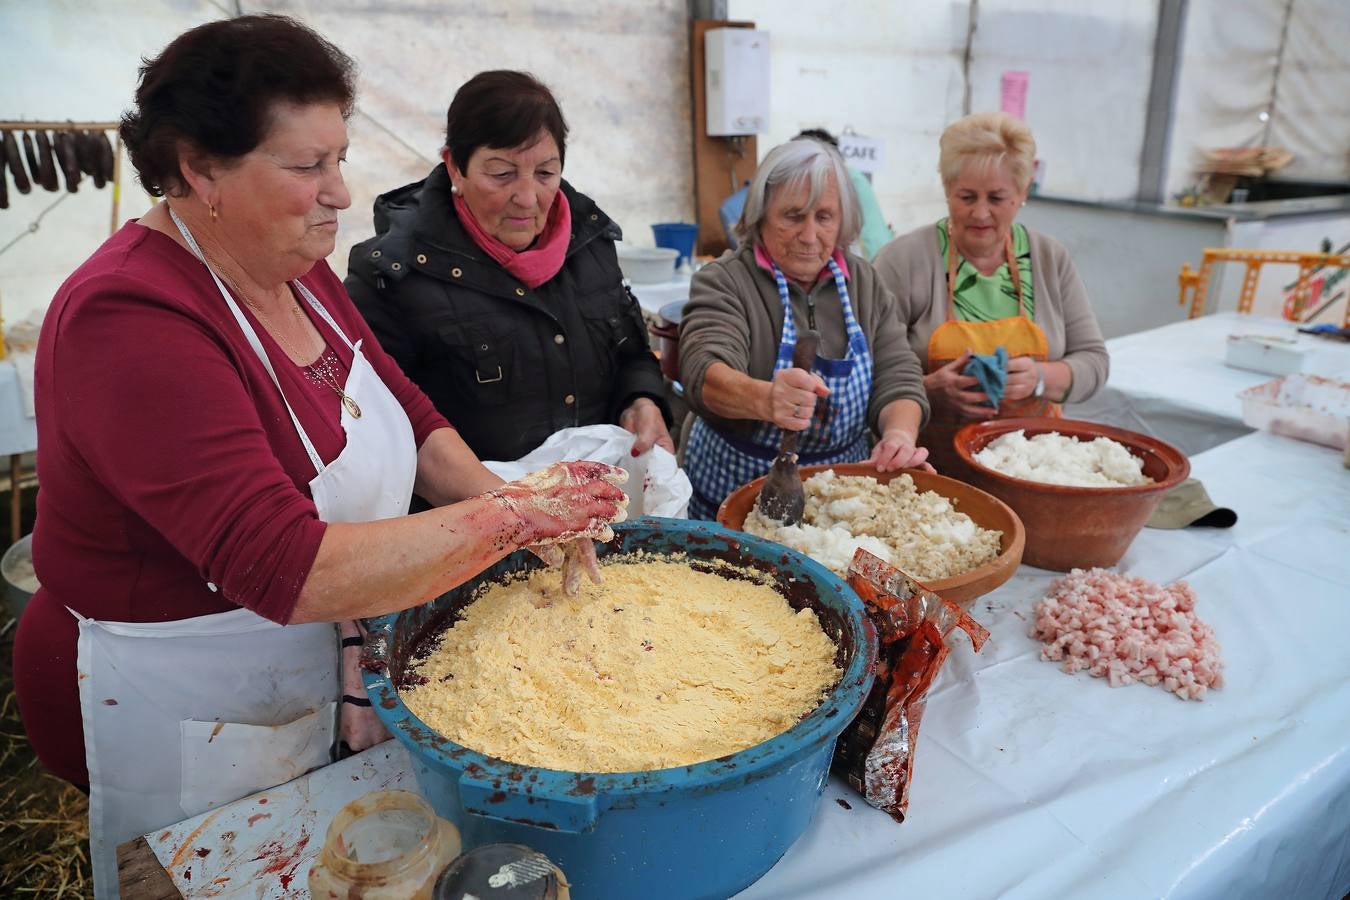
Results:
<point x="1040" y="382"/>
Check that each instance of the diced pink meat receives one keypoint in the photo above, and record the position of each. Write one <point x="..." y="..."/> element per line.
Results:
<point x="1127" y="629"/>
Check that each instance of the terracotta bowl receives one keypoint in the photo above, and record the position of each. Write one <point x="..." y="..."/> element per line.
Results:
<point x="1075" y="527"/>
<point x="987" y="511"/>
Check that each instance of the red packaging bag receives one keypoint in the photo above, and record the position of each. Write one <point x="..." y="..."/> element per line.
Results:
<point x="876" y="752"/>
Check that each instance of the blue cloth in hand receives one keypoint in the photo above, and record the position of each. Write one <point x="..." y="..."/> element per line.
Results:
<point x="992" y="371"/>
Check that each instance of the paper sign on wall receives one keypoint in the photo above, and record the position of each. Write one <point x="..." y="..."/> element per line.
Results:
<point x="1013" y="94"/>
<point x="863" y="153"/>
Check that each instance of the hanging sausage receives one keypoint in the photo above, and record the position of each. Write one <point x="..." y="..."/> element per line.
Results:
<point x="30" y="155"/>
<point x="105" y="155"/>
<point x="15" y="160"/>
<point x="46" y="174"/>
<point x="70" y="163"/>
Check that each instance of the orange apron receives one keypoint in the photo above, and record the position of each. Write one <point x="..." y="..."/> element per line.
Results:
<point x="1019" y="335"/>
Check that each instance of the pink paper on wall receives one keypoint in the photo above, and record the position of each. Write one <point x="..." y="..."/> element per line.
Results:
<point x="1013" y="94"/>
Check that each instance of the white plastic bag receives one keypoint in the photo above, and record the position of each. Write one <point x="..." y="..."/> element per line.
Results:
<point x="656" y="486"/>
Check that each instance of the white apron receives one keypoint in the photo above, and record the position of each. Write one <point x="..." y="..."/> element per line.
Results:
<point x="180" y="717"/>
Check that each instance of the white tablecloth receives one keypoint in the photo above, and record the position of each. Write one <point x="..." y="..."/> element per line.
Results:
<point x="1031" y="783"/>
<point x="1172" y="383"/>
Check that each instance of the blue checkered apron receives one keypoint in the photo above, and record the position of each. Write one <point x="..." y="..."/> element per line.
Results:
<point x="717" y="464"/>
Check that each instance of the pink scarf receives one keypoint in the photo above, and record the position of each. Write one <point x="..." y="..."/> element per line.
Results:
<point x="537" y="264"/>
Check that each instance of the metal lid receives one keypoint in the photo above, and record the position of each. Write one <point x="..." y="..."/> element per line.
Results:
<point x="501" y="872"/>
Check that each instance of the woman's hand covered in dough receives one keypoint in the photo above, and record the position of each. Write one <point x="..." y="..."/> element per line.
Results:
<point x="564" y="502"/>
<point x="792" y="398"/>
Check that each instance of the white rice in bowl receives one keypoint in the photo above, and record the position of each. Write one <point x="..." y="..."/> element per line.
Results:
<point x="1054" y="458"/>
<point x="918" y="531"/>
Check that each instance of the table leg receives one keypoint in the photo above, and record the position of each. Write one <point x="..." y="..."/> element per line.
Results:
<point x="15" y="498"/>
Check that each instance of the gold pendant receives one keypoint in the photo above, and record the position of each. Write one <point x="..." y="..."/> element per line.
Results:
<point x="351" y="406"/>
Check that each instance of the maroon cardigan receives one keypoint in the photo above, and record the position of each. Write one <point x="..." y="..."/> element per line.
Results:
<point x="166" y="460"/>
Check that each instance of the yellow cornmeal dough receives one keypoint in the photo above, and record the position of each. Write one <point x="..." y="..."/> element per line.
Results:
<point x="661" y="666"/>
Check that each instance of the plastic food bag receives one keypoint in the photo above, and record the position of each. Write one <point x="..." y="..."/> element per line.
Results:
<point x="657" y="486"/>
<point x="876" y="752"/>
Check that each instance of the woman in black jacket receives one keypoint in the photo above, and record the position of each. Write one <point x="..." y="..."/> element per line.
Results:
<point x="495" y="284"/>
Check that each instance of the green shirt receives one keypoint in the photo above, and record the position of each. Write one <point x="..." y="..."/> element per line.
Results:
<point x="983" y="298"/>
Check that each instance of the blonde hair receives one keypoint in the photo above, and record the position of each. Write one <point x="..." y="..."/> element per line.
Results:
<point x="789" y="165"/>
<point x="987" y="139"/>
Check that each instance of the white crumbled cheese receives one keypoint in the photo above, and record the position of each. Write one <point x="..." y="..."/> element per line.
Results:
<point x="832" y="547"/>
<point x="918" y="531"/>
<point x="1054" y="458"/>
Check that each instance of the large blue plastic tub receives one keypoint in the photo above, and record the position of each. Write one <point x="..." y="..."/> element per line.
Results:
<point x="707" y="830"/>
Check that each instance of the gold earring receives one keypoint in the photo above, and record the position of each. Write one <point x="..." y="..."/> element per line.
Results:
<point x="212" y="208"/>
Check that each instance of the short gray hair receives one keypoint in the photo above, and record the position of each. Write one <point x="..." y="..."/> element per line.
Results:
<point x="789" y="166"/>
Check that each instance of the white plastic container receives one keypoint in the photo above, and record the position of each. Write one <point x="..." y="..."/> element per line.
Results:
<point x="1269" y="354"/>
<point x="1305" y="407"/>
<point x="647" y="265"/>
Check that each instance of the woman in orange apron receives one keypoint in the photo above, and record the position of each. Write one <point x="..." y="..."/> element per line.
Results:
<point x="978" y="281"/>
<point x="949" y="350"/>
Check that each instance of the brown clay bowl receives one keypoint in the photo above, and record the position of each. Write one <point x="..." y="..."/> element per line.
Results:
<point x="987" y="511"/>
<point x="1075" y="527"/>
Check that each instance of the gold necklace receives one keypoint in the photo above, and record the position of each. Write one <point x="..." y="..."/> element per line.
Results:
<point x="315" y="369"/>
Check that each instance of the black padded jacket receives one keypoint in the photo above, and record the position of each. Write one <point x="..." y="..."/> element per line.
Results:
<point x="506" y="364"/>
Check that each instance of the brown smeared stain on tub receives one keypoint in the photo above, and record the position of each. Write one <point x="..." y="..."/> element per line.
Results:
<point x="203" y="852"/>
<point x="215" y="731"/>
<point x="585" y="787"/>
<point x="253" y="819"/>
<point x="842" y="802"/>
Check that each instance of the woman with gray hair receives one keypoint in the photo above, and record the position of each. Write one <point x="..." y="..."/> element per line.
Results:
<point x="977" y="282"/>
<point x="791" y="272"/>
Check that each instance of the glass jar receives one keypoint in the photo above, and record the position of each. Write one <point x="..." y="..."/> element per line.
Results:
<point x="388" y="845"/>
<point x="502" y="872"/>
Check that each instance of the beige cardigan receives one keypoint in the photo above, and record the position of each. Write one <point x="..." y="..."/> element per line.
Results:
<point x="734" y="316"/>
<point x="912" y="268"/>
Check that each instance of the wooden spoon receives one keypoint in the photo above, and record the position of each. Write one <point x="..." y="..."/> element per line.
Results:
<point x="782" y="497"/>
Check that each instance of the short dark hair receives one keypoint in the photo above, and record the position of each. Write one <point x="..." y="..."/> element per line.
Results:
<point x="817" y="134"/>
<point x="501" y="109"/>
<point x="215" y="85"/>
